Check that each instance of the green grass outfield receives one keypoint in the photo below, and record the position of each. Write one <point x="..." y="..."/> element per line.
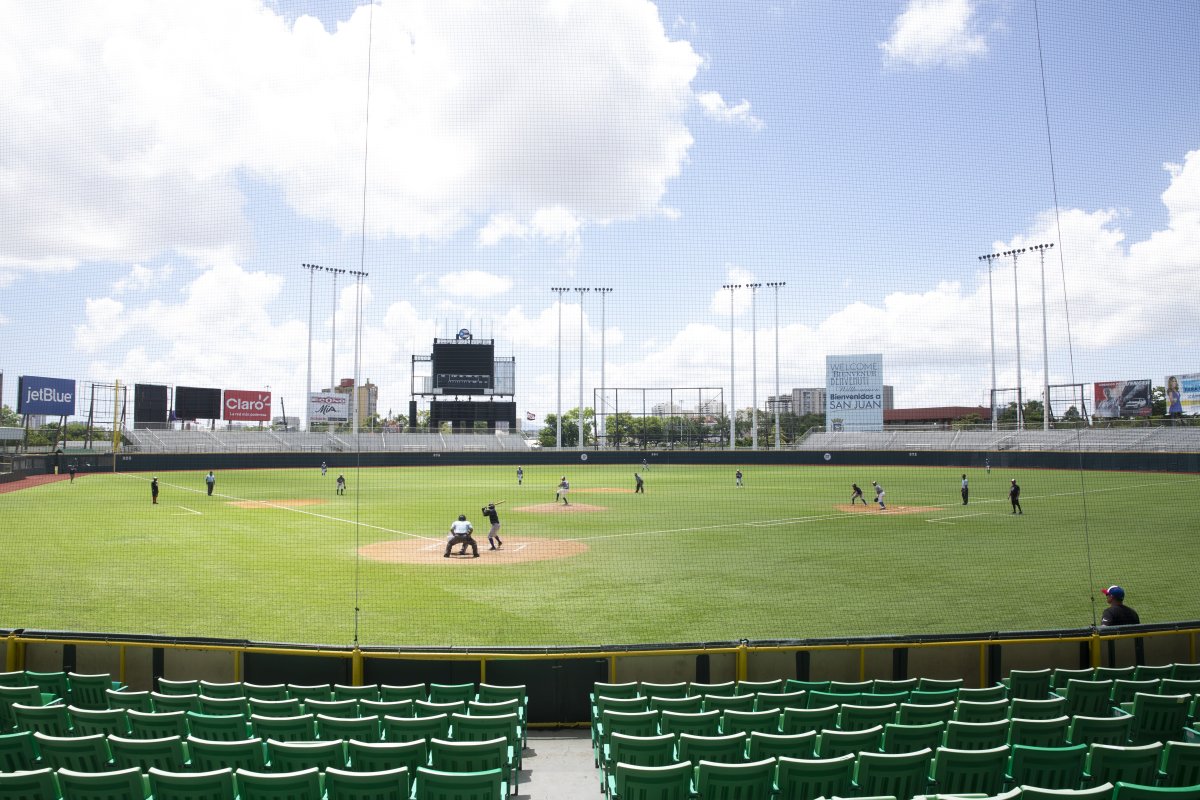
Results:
<point x="694" y="559"/>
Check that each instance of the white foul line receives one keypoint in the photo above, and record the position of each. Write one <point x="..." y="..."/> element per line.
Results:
<point x="197" y="513"/>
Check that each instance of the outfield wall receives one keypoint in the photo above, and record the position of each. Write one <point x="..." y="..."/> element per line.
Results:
<point x="1129" y="462"/>
<point x="558" y="679"/>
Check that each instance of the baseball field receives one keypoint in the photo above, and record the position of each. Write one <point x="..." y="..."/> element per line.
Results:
<point x="277" y="555"/>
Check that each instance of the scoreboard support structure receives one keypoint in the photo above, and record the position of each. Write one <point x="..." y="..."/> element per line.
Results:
<point x="466" y="385"/>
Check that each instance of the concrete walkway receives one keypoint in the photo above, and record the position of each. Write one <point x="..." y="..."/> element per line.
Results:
<point x="558" y="765"/>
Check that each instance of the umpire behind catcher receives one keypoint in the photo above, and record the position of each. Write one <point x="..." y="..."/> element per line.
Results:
<point x="460" y="533"/>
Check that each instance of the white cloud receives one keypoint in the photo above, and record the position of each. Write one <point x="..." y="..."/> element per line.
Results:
<point x="138" y="279"/>
<point x="715" y="106"/>
<point x="720" y="302"/>
<point x="474" y="283"/>
<point x="931" y="33"/>
<point x="134" y="128"/>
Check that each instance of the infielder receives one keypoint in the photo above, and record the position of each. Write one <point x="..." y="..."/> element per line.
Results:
<point x="879" y="495"/>
<point x="856" y="494"/>
<point x="563" y="488"/>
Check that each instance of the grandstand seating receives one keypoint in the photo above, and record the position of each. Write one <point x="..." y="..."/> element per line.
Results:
<point x="258" y="441"/>
<point x="1096" y="439"/>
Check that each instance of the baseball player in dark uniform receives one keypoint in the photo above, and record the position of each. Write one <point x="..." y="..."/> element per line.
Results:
<point x="640" y="487"/>
<point x="1014" y="497"/>
<point x="856" y="494"/>
<point x="494" y="542"/>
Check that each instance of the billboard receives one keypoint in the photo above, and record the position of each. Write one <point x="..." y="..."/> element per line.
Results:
<point x="1183" y="394"/>
<point x="193" y="402"/>
<point x="239" y="405"/>
<point x="328" y="407"/>
<point x="854" y="392"/>
<point x="1121" y="399"/>
<point x="463" y="365"/>
<point x="150" y="405"/>
<point x="54" y="397"/>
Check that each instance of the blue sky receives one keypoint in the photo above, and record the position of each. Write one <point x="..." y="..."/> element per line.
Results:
<point x="165" y="170"/>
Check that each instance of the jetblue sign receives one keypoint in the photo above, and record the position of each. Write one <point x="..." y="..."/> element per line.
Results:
<point x="53" y="397"/>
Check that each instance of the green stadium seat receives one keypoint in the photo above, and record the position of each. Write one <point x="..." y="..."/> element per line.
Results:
<point x="644" y="751"/>
<point x="37" y="784"/>
<point x="649" y="689"/>
<point x="168" y="686"/>
<point x="833" y="743"/>
<point x="975" y="735"/>
<point x="218" y="727"/>
<point x="54" y="719"/>
<point x="300" y="728"/>
<point x="166" y="703"/>
<point x="1145" y="672"/>
<point x="391" y="784"/>
<point x="495" y="693"/>
<point x="883" y="698"/>
<point x="1037" y="709"/>
<point x="707" y="723"/>
<point x="1179" y="686"/>
<point x="254" y="785"/>
<point x="27" y="695"/>
<point x="893" y="774"/>
<point x="406" y="729"/>
<point x="793" y="685"/>
<point x="725" y="781"/>
<point x="1158" y="718"/>
<point x="166" y="753"/>
<point x="754" y="687"/>
<point x="1110" y="763"/>
<point x="850" y="687"/>
<point x="800" y="720"/>
<point x="818" y="698"/>
<point x="1087" y="697"/>
<point x="857" y="717"/>
<point x="629" y="704"/>
<point x="726" y="688"/>
<point x="426" y="708"/>
<point x="748" y="722"/>
<point x="451" y="692"/>
<point x="289" y="707"/>
<point x="433" y="784"/>
<point x="1100" y="730"/>
<point x="1102" y="792"/>
<point x="332" y="708"/>
<point x="155" y="725"/>
<point x="767" y="701"/>
<point x="687" y="705"/>
<point x="884" y="686"/>
<point x="985" y="695"/>
<point x="310" y="691"/>
<point x="221" y="689"/>
<point x="717" y="702"/>
<point x="1047" y="767"/>
<point x="923" y="714"/>
<point x="899" y="738"/>
<point x="1038" y="732"/>
<point x="297" y="756"/>
<point x="1060" y="677"/>
<point x="1028" y="684"/>
<point x="382" y="756"/>
<point x="1125" y="690"/>
<point x="727" y="749"/>
<point x="981" y="711"/>
<point x="773" y="745"/>
<point x="381" y="708"/>
<point x="1185" y="672"/>
<point x="1180" y="764"/>
<point x="957" y="772"/>
<point x="481" y="728"/>
<point x="1113" y="673"/>
<point x="1133" y="791"/>
<point x="634" y="723"/>
<point x="411" y="691"/>
<point x="118" y="784"/>
<point x="218" y="706"/>
<point x="82" y="753"/>
<point x="130" y="700"/>
<point x="627" y="689"/>
<point x="14" y="678"/>
<point x="52" y="683"/>
<point x="265" y="691"/>
<point x="370" y="691"/>
<point x="86" y="721"/>
<point x="673" y="782"/>
<point x="468" y="757"/>
<point x="365" y="729"/>
<point x="17" y="752"/>
<point x="809" y="779"/>
<point x="939" y="684"/>
<point x="215" y="784"/>
<point x="207" y="755"/>
<point x="89" y="691"/>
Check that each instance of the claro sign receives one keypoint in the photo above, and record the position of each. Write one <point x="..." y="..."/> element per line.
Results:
<point x="241" y="406"/>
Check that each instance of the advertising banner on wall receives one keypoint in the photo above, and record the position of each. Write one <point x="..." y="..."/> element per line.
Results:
<point x="854" y="392"/>
<point x="1183" y="394"/>
<point x="253" y="406"/>
<point x="328" y="407"/>
<point x="54" y="397"/>
<point x="1122" y="399"/>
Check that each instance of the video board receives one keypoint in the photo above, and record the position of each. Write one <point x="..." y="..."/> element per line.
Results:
<point x="463" y="366"/>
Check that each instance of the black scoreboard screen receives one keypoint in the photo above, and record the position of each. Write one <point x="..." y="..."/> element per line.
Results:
<point x="192" y="402"/>
<point x="464" y="366"/>
<point x="150" y="406"/>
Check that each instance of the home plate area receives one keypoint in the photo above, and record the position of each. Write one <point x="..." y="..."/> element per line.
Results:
<point x="429" y="551"/>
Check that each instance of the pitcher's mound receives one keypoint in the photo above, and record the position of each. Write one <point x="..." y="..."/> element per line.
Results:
<point x="559" y="508"/>
<point x="857" y="509"/>
<point x="514" y="551"/>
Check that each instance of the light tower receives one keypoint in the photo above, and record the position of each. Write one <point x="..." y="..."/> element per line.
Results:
<point x="1041" y="251"/>
<point x="601" y="436"/>
<point x="732" y="287"/>
<point x="753" y="287"/>
<point x="1017" y="312"/>
<point x="560" y="291"/>
<point x="775" y="286"/>
<point x="312" y="270"/>
<point x="355" y="405"/>
<point x="989" y="258"/>
<point x="581" y="291"/>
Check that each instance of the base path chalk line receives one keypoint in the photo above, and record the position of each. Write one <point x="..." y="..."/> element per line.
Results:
<point x="946" y="520"/>
<point x="268" y="504"/>
<point x="192" y="510"/>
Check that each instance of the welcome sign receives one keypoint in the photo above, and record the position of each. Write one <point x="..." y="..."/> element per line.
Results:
<point x="854" y="392"/>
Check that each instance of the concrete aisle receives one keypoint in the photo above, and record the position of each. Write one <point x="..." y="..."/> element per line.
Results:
<point x="558" y="766"/>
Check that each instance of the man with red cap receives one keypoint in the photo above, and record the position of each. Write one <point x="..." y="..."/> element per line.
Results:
<point x="1117" y="612"/>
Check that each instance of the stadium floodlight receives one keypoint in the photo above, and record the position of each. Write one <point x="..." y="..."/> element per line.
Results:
<point x="604" y="291"/>
<point x="312" y="270"/>
<point x="560" y="291"/>
<point x="355" y="405"/>
<point x="579" y="422"/>
<point x="753" y="287"/>
<point x="775" y="285"/>
<point x="1017" y="317"/>
<point x="732" y="287"/>
<point x="1041" y="251"/>
<point x="989" y="258"/>
<point x="333" y="331"/>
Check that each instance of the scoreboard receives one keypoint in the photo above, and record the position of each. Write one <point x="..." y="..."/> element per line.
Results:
<point x="464" y="366"/>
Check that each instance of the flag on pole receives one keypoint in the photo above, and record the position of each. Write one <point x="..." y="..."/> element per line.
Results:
<point x="529" y="415"/>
